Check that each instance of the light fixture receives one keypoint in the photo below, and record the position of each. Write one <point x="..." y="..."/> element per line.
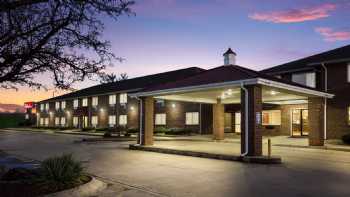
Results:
<point x="173" y="105"/>
<point x="101" y="110"/>
<point x="132" y="108"/>
<point x="68" y="113"/>
<point x="273" y="92"/>
<point x="229" y="92"/>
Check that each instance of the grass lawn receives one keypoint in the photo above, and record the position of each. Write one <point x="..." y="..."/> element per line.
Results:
<point x="10" y="119"/>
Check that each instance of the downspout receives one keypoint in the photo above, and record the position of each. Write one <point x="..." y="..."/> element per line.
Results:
<point x="325" y="100"/>
<point x="200" y="118"/>
<point x="140" y="122"/>
<point x="245" y="119"/>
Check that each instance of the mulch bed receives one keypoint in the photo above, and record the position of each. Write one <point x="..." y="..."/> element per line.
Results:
<point x="30" y="189"/>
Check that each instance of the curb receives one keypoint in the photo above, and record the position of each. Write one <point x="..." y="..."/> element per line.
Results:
<point x="314" y="147"/>
<point x="246" y="159"/>
<point x="91" y="188"/>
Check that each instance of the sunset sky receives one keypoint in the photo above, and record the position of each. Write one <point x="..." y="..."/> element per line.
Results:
<point x="172" y="34"/>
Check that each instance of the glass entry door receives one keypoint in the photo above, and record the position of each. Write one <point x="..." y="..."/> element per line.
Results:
<point x="300" y="122"/>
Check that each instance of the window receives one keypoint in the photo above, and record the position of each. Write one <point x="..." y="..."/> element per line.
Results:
<point x="63" y="105"/>
<point x="85" y="102"/>
<point x="349" y="72"/>
<point x="42" y="107"/>
<point x="123" y="119"/>
<point x="57" y="121"/>
<point x="47" y="121"/>
<point x="47" y="106"/>
<point x="278" y="76"/>
<point x="94" y="101"/>
<point x="94" y="121"/>
<point x="63" y="121"/>
<point x="75" y="103"/>
<point x="307" y="79"/>
<point x="75" y="121"/>
<point x="111" y="120"/>
<point x="160" y="119"/>
<point x="57" y="105"/>
<point x="192" y="118"/>
<point x="271" y="117"/>
<point x="112" y="99"/>
<point x="42" y="122"/>
<point x="123" y="98"/>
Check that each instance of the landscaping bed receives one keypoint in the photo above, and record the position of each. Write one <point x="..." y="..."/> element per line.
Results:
<point x="53" y="175"/>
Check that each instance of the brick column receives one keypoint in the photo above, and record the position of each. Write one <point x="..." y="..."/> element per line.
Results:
<point x="316" y="121"/>
<point x="148" y="121"/>
<point x="254" y="120"/>
<point x="218" y="121"/>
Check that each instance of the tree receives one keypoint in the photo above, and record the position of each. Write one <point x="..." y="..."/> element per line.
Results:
<point x="51" y="36"/>
<point x="110" y="78"/>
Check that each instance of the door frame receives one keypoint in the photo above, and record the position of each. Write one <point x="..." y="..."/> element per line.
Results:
<point x="301" y="122"/>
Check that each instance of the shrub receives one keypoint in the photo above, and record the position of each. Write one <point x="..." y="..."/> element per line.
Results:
<point x="101" y="129"/>
<point x="60" y="172"/>
<point x="159" y="130"/>
<point x="178" y="131"/>
<point x="107" y="134"/>
<point x="346" y="139"/>
<point x="132" y="130"/>
<point x="87" y="129"/>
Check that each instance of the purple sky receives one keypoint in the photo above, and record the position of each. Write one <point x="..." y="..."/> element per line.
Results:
<point x="171" y="34"/>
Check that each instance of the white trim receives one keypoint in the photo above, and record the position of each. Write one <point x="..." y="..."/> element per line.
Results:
<point x="234" y="83"/>
<point x="293" y="88"/>
<point x="196" y="88"/>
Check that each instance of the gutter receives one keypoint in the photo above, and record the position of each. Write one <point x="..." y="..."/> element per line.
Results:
<point x="140" y="121"/>
<point x="246" y="109"/>
<point x="325" y="100"/>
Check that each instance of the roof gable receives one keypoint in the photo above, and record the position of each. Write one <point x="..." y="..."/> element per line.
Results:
<point x="342" y="53"/>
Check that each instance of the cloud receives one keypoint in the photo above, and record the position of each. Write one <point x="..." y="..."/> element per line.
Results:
<point x="296" y="15"/>
<point x="331" y="35"/>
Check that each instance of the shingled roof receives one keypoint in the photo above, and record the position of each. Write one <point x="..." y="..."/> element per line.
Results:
<point x="133" y="84"/>
<point x="226" y="73"/>
<point x="338" y="54"/>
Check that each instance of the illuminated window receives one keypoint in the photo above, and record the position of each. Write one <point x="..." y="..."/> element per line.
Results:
<point x="46" y="121"/>
<point x="42" y="107"/>
<point x="307" y="79"/>
<point x="271" y="117"/>
<point x="94" y="121"/>
<point x="57" y="121"/>
<point x="85" y="102"/>
<point x="123" y="119"/>
<point x="57" y="105"/>
<point x="160" y="119"/>
<point x="75" y="121"/>
<point x="123" y="98"/>
<point x="111" y="120"/>
<point x="192" y="118"/>
<point x="42" y="121"/>
<point x="63" y="121"/>
<point x="47" y="106"/>
<point x="63" y="105"/>
<point x="112" y="99"/>
<point x="94" y="101"/>
<point x="75" y="103"/>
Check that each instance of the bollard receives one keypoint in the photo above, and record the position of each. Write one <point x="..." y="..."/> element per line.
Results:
<point x="269" y="147"/>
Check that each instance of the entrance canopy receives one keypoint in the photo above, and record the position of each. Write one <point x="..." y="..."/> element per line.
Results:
<point x="225" y="82"/>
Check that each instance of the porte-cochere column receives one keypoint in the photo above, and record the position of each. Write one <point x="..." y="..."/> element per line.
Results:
<point x="147" y="121"/>
<point x="218" y="120"/>
<point x="254" y="120"/>
<point x="316" y="121"/>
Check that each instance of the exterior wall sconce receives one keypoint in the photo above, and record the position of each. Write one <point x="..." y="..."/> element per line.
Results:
<point x="173" y="105"/>
<point x="132" y="108"/>
<point x="102" y="110"/>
